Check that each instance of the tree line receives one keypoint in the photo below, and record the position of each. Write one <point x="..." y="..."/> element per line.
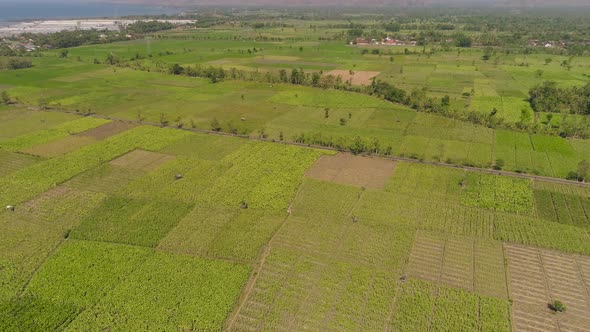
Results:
<point x="548" y="97"/>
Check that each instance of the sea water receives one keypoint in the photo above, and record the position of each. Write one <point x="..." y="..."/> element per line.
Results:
<point x="12" y="11"/>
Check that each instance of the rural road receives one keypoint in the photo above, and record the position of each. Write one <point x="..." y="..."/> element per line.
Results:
<point x="410" y="160"/>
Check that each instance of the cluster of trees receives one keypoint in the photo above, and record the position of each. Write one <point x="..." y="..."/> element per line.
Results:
<point x="15" y="63"/>
<point x="65" y="39"/>
<point x="548" y="97"/>
<point x="582" y="173"/>
<point x="148" y="26"/>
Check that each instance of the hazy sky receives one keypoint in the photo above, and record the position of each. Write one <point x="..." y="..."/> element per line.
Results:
<point x="319" y="2"/>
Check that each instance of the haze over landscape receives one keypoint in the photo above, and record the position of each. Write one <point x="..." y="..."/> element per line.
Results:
<point x="307" y="165"/>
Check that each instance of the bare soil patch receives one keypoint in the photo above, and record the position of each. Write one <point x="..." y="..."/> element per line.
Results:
<point x="537" y="278"/>
<point x="357" y="77"/>
<point x="353" y="170"/>
<point x="141" y="160"/>
<point x="107" y="130"/>
<point x="60" y="146"/>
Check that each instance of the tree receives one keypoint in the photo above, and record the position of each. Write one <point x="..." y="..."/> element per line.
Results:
<point x="163" y="119"/>
<point x="64" y="53"/>
<point x="5" y="97"/>
<point x="357" y="146"/>
<point x="342" y="121"/>
<point x="499" y="164"/>
<point x="215" y="126"/>
<point x="463" y="40"/>
<point x="445" y="101"/>
<point x="558" y="306"/>
<point x="283" y="76"/>
<point x="112" y="59"/>
<point x="584" y="170"/>
<point x="326" y="113"/>
<point x="176" y="69"/>
<point x="375" y="145"/>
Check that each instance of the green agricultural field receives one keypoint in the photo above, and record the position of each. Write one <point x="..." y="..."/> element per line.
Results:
<point x="222" y="176"/>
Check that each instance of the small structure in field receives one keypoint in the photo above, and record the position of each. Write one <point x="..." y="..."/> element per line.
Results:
<point x="178" y="176"/>
<point x="10" y="208"/>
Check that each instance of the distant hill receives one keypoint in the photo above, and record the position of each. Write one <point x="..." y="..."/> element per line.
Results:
<point x="499" y="3"/>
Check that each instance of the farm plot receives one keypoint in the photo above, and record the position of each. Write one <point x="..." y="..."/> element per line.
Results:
<point x="208" y="147"/>
<point x="352" y="170"/>
<point x="141" y="160"/>
<point x="498" y="193"/>
<point x="424" y="306"/>
<point x="60" y="146"/>
<point x="76" y="277"/>
<point x="295" y="291"/>
<point x="265" y="176"/>
<point x="104" y="179"/>
<point x="11" y="162"/>
<point x="131" y="221"/>
<point x="564" y="204"/>
<point x="223" y="233"/>
<point x="197" y="296"/>
<point x="37" y="178"/>
<point x="34" y="230"/>
<point x="357" y="77"/>
<point x="23" y="142"/>
<point x="418" y="180"/>
<point x="196" y="176"/>
<point x="538" y="277"/>
<point x="473" y="265"/>
<point x="107" y="130"/>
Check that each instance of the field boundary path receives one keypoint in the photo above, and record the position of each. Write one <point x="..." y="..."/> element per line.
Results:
<point x="394" y="158"/>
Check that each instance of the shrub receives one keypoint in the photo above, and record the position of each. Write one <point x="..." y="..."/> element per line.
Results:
<point x="558" y="306"/>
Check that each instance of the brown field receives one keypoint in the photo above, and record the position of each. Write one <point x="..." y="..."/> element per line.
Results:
<point x="60" y="146"/>
<point x="357" y="78"/>
<point x="473" y="265"/>
<point x="107" y="130"/>
<point x="141" y="160"/>
<point x="538" y="277"/>
<point x="353" y="170"/>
